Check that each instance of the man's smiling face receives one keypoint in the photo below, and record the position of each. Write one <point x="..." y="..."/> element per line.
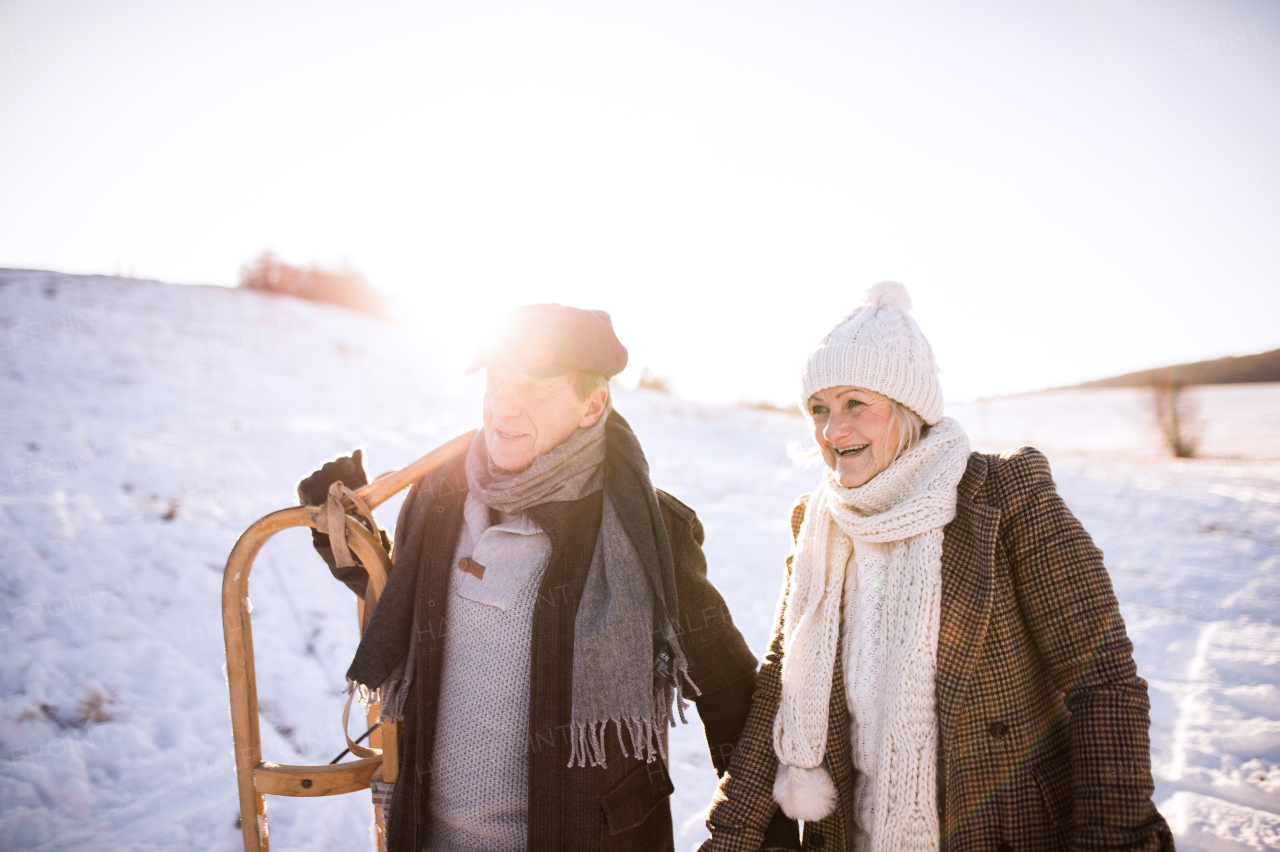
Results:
<point x="525" y="416"/>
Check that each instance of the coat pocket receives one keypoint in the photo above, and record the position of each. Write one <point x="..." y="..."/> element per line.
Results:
<point x="633" y="798"/>
<point x="1052" y="774"/>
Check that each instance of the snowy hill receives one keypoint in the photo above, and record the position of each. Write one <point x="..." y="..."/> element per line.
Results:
<point x="145" y="425"/>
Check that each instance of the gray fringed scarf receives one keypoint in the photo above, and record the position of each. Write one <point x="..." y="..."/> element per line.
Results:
<point x="613" y="632"/>
<point x="629" y="598"/>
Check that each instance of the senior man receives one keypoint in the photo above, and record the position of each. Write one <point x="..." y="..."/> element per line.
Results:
<point x="547" y="609"/>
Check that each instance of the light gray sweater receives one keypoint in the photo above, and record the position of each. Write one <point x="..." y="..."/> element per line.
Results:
<point x="479" y="782"/>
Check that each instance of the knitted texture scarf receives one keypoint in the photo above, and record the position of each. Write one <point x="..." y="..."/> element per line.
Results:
<point x="613" y="653"/>
<point x="628" y="603"/>
<point x="900" y="514"/>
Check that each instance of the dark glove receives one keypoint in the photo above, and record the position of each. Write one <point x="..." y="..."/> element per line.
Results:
<point x="314" y="491"/>
<point x="349" y="470"/>
<point x="782" y="835"/>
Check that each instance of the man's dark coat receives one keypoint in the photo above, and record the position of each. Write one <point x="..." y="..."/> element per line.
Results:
<point x="623" y="807"/>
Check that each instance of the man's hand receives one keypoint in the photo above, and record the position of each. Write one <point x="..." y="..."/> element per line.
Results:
<point x="349" y="470"/>
<point x="314" y="491"/>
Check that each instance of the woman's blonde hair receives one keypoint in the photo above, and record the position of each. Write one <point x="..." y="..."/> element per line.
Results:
<point x="911" y="427"/>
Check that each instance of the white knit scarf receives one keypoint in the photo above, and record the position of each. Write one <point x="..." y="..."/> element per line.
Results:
<point x="902" y="512"/>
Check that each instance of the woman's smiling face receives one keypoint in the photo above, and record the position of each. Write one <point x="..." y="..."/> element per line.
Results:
<point x="856" y="431"/>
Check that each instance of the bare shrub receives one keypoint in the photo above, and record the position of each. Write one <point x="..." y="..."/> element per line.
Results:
<point x="92" y="710"/>
<point x="1176" y="414"/>
<point x="766" y="405"/>
<point x="649" y="380"/>
<point x="343" y="287"/>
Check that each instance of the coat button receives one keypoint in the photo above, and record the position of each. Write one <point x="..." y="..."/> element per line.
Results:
<point x="1004" y="847"/>
<point x="816" y="842"/>
<point x="998" y="730"/>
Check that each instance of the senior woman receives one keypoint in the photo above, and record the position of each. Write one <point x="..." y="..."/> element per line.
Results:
<point x="948" y="668"/>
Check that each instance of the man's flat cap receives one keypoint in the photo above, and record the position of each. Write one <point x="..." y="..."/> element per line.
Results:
<point x="551" y="340"/>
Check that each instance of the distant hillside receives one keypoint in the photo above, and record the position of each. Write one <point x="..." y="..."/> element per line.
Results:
<point x="1263" y="367"/>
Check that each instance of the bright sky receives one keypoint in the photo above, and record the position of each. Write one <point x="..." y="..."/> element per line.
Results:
<point x="1068" y="189"/>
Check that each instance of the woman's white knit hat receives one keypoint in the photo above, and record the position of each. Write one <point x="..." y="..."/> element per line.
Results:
<point x="878" y="347"/>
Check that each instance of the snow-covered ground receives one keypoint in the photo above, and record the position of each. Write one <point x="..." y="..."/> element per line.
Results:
<point x="143" y="426"/>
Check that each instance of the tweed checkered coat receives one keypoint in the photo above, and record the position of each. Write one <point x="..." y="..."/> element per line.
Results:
<point x="1043" y="719"/>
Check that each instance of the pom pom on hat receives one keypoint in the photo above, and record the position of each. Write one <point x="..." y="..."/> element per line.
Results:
<point x="889" y="294"/>
<point x="878" y="347"/>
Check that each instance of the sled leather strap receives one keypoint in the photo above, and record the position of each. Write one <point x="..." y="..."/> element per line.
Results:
<point x="370" y="602"/>
<point x="331" y="521"/>
<point x="357" y="750"/>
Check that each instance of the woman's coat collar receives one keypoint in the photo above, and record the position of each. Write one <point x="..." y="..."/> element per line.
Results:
<point x="968" y="586"/>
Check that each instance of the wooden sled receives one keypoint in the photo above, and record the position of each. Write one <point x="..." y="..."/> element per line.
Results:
<point x="255" y="777"/>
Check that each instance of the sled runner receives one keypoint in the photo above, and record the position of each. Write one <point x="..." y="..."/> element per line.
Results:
<point x="374" y="766"/>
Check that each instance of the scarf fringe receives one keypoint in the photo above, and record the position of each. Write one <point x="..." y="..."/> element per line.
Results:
<point x="587" y="740"/>
<point x="390" y="698"/>
<point x="673" y="691"/>
<point x="394" y="693"/>
<point x="364" y="695"/>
